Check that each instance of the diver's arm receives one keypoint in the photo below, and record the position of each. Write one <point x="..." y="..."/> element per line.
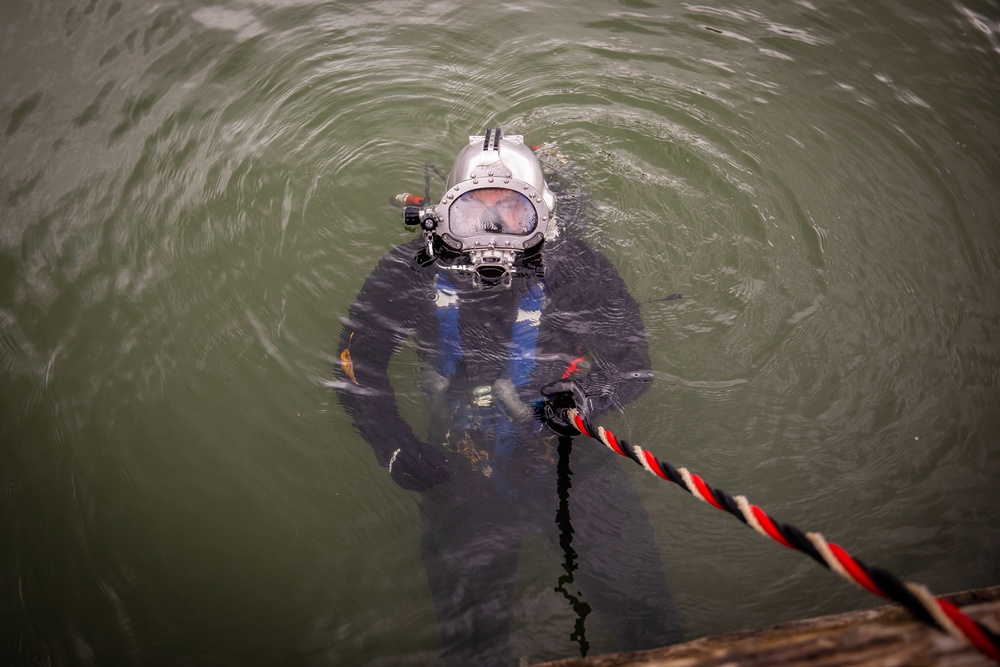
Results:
<point x="612" y="333"/>
<point x="384" y="313"/>
<point x="372" y="334"/>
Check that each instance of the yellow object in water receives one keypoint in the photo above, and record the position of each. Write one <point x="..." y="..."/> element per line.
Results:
<point x="346" y="363"/>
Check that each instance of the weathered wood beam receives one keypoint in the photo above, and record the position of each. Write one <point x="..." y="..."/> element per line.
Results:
<point x="880" y="637"/>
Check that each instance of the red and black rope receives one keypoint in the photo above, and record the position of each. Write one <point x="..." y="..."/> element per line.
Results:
<point x="934" y="611"/>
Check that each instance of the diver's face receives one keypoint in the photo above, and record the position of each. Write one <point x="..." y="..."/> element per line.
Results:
<point x="492" y="211"/>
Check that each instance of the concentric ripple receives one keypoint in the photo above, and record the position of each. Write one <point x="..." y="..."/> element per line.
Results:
<point x="193" y="193"/>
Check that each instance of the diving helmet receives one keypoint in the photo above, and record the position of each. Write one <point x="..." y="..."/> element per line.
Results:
<point x="496" y="205"/>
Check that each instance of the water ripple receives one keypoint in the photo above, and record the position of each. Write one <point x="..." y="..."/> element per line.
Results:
<point x="197" y="193"/>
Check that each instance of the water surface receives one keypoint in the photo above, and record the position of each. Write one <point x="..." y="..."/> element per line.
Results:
<point x="192" y="193"/>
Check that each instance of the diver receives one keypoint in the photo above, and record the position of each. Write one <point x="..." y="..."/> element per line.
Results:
<point x="498" y="305"/>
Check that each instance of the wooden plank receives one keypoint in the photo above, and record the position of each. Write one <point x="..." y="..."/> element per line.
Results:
<point x="880" y="637"/>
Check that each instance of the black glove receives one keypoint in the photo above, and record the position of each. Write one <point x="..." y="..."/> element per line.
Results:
<point x="560" y="396"/>
<point x="418" y="466"/>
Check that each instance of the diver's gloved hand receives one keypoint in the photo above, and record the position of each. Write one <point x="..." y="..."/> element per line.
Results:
<point x="558" y="398"/>
<point x="418" y="466"/>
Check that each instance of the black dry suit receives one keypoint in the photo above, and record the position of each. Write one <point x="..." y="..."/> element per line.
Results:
<point x="486" y="353"/>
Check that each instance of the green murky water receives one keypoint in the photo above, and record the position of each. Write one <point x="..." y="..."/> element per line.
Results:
<point x="191" y="195"/>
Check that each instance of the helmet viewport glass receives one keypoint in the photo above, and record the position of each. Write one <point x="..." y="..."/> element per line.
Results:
<point x="492" y="211"/>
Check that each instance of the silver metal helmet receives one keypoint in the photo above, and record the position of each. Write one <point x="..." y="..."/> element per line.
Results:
<point x="497" y="204"/>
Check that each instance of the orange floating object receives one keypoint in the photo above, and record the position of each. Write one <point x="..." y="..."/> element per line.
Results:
<point x="346" y="363"/>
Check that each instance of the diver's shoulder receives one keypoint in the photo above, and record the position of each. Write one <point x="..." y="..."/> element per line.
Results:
<point x="570" y="248"/>
<point x="403" y="256"/>
<point x="409" y="249"/>
<point x="575" y="264"/>
<point x="402" y="266"/>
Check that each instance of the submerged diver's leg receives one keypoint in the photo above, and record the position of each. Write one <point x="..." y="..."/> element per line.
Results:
<point x="470" y="549"/>
<point x="619" y="566"/>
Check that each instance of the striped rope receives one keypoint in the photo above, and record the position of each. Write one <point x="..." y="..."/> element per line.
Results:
<point x="932" y="610"/>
